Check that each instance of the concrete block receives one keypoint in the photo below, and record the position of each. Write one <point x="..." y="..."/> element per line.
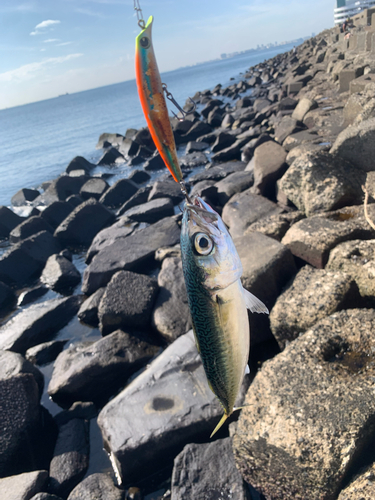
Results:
<point x="347" y="75"/>
<point x="293" y="88"/>
<point x="359" y="84"/>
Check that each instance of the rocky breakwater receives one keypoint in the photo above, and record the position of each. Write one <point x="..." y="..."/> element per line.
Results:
<point x="282" y="155"/>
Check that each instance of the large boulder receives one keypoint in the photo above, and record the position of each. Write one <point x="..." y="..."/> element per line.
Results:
<point x="8" y="221"/>
<point x="218" y="172"/>
<point x="151" y="211"/>
<point x="96" y="486"/>
<point x="88" y="312"/>
<point x="119" y="193"/>
<point x="60" y="189"/>
<point x="79" y="163"/>
<point x="60" y="274"/>
<point x="23" y="486"/>
<point x="29" y="227"/>
<point x="166" y="189"/>
<point x="108" y="236"/>
<point x="269" y="166"/>
<point x="55" y="213"/>
<point x="12" y="364"/>
<point x="231" y="185"/>
<point x="309" y="412"/>
<point x="93" y="188"/>
<point x="23" y="196"/>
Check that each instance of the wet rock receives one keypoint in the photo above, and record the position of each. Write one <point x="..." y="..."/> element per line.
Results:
<point x="119" y="193"/>
<point x="70" y="458"/>
<point x="317" y="182"/>
<point x="110" y="157"/>
<point x="88" y="312"/>
<point x="287" y="126"/>
<point x="96" y="486"/>
<point x="361" y="487"/>
<point x="23" y="263"/>
<point x="166" y="189"/>
<point x="355" y="144"/>
<point x="79" y="163"/>
<point x="163" y="409"/>
<point x="109" y="235"/>
<point x="8" y="221"/>
<point x="97" y="371"/>
<point x="7" y="299"/>
<point x="313" y="238"/>
<point x="139" y="176"/>
<point x="151" y="211"/>
<point x="86" y="220"/>
<point x="46" y="352"/>
<point x="356" y="258"/>
<point x="55" y="213"/>
<point x="29" y="227"/>
<point x="127" y="147"/>
<point x="269" y="166"/>
<point x="218" y="172"/>
<point x="38" y="323"/>
<point x="207" y="471"/>
<point x="93" y="188"/>
<point x="23" y="486"/>
<point x="133" y="253"/>
<point x="231" y="185"/>
<point x="60" y="275"/>
<point x="312" y="295"/>
<point x="171" y="316"/>
<point x="310" y="411"/>
<point x="31" y="295"/>
<point x="127" y="302"/>
<point x="245" y="208"/>
<point x="23" y="196"/>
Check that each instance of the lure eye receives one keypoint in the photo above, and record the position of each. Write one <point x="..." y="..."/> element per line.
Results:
<point x="145" y="42"/>
<point x="203" y="244"/>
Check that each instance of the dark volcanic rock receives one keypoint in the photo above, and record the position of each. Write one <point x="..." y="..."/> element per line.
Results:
<point x="97" y="371"/>
<point x="29" y="227"/>
<point x="25" y="260"/>
<point x="96" y="486"/>
<point x="55" y="213"/>
<point x="38" y="323"/>
<point x="60" y="274"/>
<point x="151" y="211"/>
<point x="24" y="486"/>
<point x="23" y="196"/>
<point x="119" y="193"/>
<point x="127" y="302"/>
<point x="86" y="220"/>
<point x="8" y="221"/>
<point x="207" y="472"/>
<point x="46" y="352"/>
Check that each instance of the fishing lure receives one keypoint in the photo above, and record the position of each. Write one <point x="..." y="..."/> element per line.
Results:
<point x="218" y="302"/>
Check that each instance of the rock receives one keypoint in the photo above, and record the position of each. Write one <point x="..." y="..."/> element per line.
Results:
<point x="79" y="163"/>
<point x="275" y="226"/>
<point x="287" y="126"/>
<point x="207" y="471"/>
<point x="194" y="146"/>
<point x="7" y="299"/>
<point x="127" y="302"/>
<point x="88" y="312"/>
<point x="248" y="150"/>
<point x="312" y="295"/>
<point x="218" y="172"/>
<point x="169" y="404"/>
<point x="141" y="196"/>
<point x="313" y="238"/>
<point x="205" y="189"/>
<point x="128" y="147"/>
<point x="154" y="163"/>
<point x="193" y="160"/>
<point x="110" y="157"/>
<point x="260" y="104"/>
<point x="110" y="138"/>
<point x="74" y="200"/>
<point x="109" y="235"/>
<point x="29" y="227"/>
<point x="86" y="220"/>
<point x="166" y="189"/>
<point x="133" y="253"/>
<point x="197" y="130"/>
<point x="55" y="213"/>
<point x="60" y="275"/>
<point x="171" y="316"/>
<point x="223" y="140"/>
<point x="362" y="486"/>
<point x="70" y="458"/>
<point x="245" y="208"/>
<point x="310" y="411"/>
<point x="13" y="364"/>
<point x="23" y="196"/>
<point x="46" y="352"/>
<point x="269" y="166"/>
<point x="303" y="107"/>
<point x="143" y="137"/>
<point x="31" y="295"/>
<point x="60" y="189"/>
<point x="97" y="371"/>
<point x="82" y="410"/>
<point x="37" y="323"/>
<point x="231" y="185"/>
<point x="231" y="153"/>
<point x="23" y="486"/>
<point x="151" y="211"/>
<point x="139" y="177"/>
<point x="353" y="107"/>
<point x="98" y="486"/>
<point x="23" y="263"/>
<point x="357" y="259"/>
<point x="355" y="144"/>
<point x="119" y="193"/>
<point x="8" y="221"/>
<point x="93" y="188"/>
<point x="45" y="496"/>
<point x="317" y="182"/>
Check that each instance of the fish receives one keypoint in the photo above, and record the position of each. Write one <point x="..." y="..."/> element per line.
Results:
<point x="154" y="106"/>
<point x="217" y="300"/>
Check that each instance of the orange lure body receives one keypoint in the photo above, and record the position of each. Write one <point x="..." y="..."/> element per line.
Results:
<point x="153" y="102"/>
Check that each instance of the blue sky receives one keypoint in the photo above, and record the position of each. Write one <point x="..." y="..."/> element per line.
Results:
<point x="50" y="47"/>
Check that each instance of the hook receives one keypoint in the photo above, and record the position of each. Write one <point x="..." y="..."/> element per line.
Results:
<point x="173" y="101"/>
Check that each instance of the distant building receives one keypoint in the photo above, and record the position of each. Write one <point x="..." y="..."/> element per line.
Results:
<point x="349" y="8"/>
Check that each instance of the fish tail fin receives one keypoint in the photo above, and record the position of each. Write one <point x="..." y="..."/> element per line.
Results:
<point x="222" y="420"/>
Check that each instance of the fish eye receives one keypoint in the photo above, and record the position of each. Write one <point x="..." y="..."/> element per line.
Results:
<point x="145" y="42"/>
<point x="203" y="244"/>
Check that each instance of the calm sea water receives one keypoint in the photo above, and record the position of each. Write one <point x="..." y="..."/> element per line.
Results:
<point x="38" y="140"/>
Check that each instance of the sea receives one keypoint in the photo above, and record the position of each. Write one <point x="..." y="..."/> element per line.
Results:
<point x="38" y="140"/>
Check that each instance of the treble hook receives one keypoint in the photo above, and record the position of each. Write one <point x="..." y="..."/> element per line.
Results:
<point x="173" y="101"/>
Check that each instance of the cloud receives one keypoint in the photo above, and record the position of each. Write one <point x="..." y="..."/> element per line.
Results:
<point x="42" y="27"/>
<point x="29" y="71"/>
<point x="62" y="44"/>
<point x="50" y="40"/>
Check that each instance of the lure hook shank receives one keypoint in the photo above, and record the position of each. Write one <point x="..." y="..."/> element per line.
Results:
<point x="173" y="101"/>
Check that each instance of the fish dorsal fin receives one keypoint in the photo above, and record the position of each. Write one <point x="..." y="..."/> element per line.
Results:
<point x="253" y="303"/>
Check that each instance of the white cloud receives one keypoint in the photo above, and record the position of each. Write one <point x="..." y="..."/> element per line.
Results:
<point x="42" y="27"/>
<point x="50" y="40"/>
<point x="63" y="44"/>
<point x="29" y="71"/>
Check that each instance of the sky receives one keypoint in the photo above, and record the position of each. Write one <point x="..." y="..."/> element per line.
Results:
<point x="50" y="47"/>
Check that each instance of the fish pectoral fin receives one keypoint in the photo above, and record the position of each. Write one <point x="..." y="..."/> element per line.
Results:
<point x="253" y="303"/>
<point x="222" y="420"/>
<point x="247" y="370"/>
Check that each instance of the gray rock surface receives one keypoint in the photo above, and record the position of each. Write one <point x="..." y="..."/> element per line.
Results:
<point x="166" y="189"/>
<point x="23" y="196"/>
<point x="88" y="312"/>
<point x="93" y="188"/>
<point x="109" y="235"/>
<point x="118" y="193"/>
<point x="96" y="486"/>
<point x="171" y="316"/>
<point x="56" y="212"/>
<point x="38" y="323"/>
<point x="95" y="372"/>
<point x="23" y="486"/>
<point x="275" y="226"/>
<point x="7" y="299"/>
<point x="310" y="411"/>
<point x="127" y="302"/>
<point x="60" y="275"/>
<point x="46" y="352"/>
<point x="218" y="172"/>
<point x="231" y="185"/>
<point x="29" y="227"/>
<point x="312" y="295"/>
<point x="304" y="106"/>
<point x="8" y="221"/>
<point x="269" y="166"/>
<point x="361" y="487"/>
<point x="207" y="472"/>
<point x="12" y="364"/>
<point x="151" y="211"/>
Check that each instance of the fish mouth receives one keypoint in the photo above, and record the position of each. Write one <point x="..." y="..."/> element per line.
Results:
<point x="202" y="215"/>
